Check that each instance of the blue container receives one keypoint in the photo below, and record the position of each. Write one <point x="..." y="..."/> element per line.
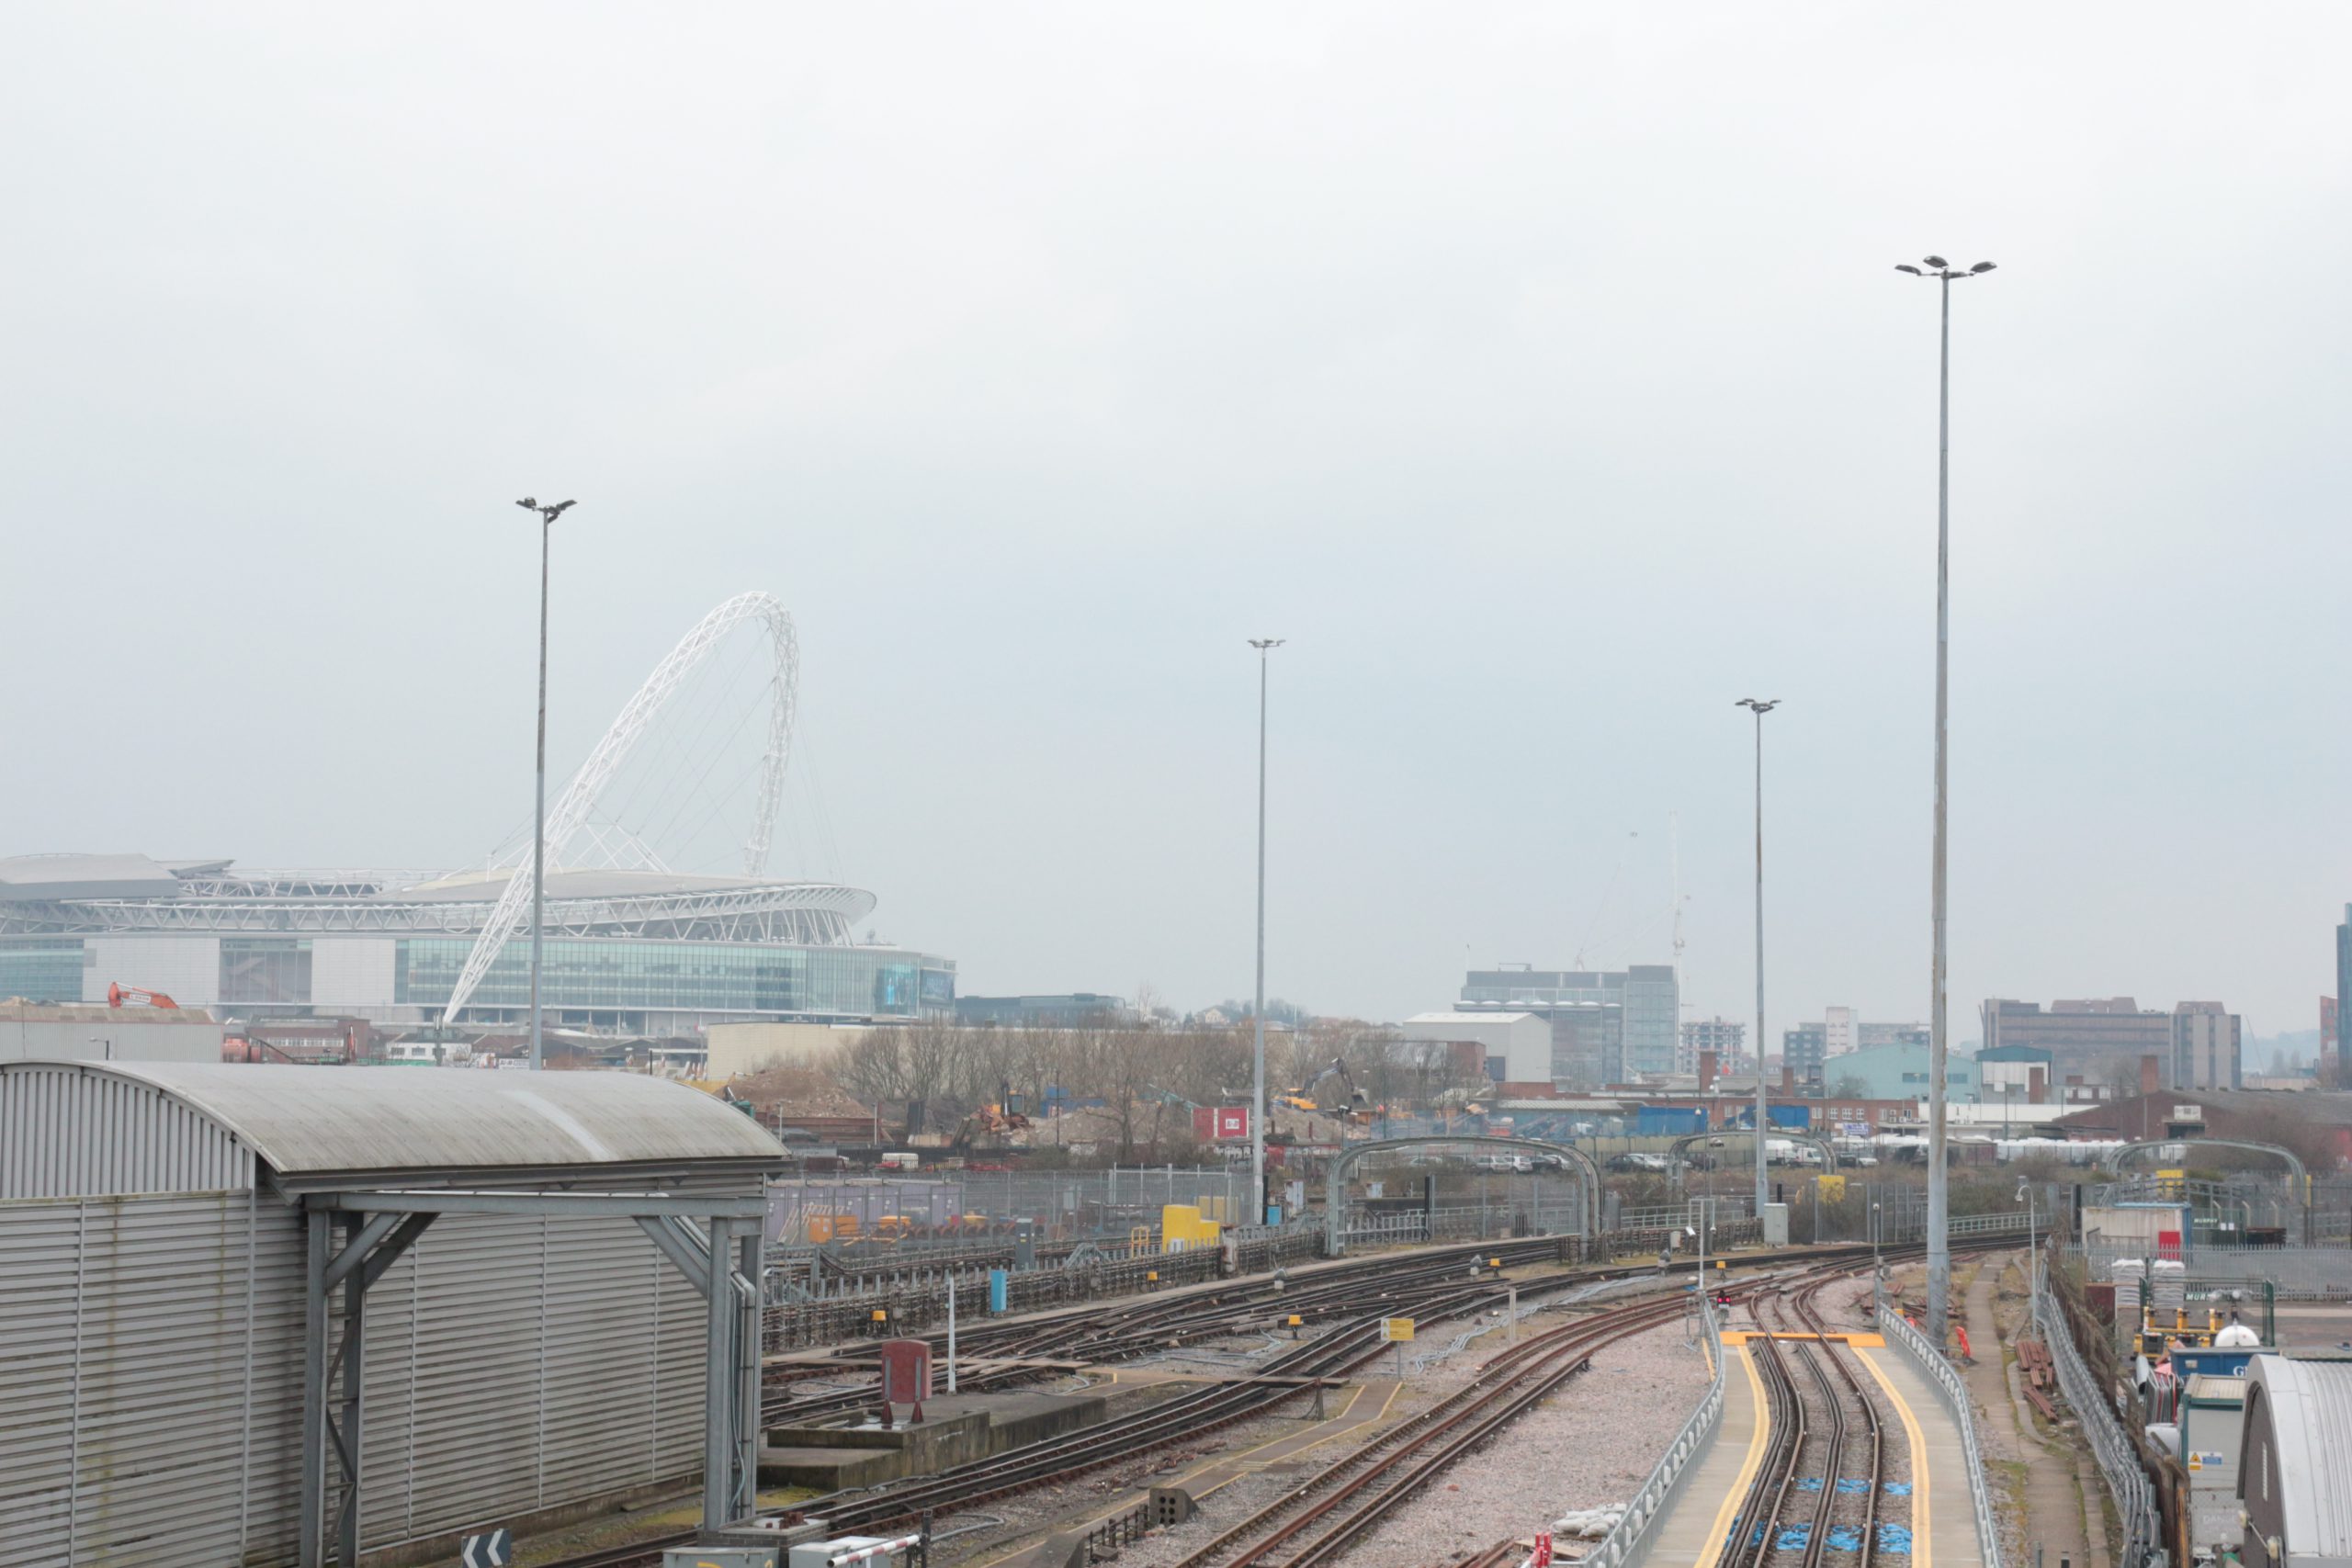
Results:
<point x="999" y="1289"/>
<point x="1797" y="1116"/>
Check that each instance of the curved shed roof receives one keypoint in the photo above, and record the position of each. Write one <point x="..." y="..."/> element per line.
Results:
<point x="315" y="1127"/>
<point x="2310" y="1416"/>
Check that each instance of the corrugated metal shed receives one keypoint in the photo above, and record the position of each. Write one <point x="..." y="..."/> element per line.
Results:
<point x="2310" y="1406"/>
<point x="179" y="1123"/>
<point x="152" y="1301"/>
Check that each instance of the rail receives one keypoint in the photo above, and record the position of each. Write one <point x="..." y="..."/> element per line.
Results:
<point x="1627" y="1544"/>
<point x="2118" y="1461"/>
<point x="1954" y="1395"/>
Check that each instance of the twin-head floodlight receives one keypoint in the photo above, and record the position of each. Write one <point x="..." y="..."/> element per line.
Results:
<point x="1760" y="707"/>
<point x="546" y="513"/>
<point x="1935" y="266"/>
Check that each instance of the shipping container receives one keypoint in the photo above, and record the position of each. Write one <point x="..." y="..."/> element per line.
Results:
<point x="1668" y="1121"/>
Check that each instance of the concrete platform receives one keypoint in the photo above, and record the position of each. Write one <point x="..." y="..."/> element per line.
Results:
<point x="955" y="1429"/>
<point x="1943" y="1520"/>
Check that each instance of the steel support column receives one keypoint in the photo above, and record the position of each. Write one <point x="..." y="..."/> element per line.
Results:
<point x="332" y="1427"/>
<point x="352" y="1355"/>
<point x="746" y="1286"/>
<point x="313" y="1548"/>
<point x="719" y="1383"/>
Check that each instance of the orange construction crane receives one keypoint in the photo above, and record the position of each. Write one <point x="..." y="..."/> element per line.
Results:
<point x="132" y="996"/>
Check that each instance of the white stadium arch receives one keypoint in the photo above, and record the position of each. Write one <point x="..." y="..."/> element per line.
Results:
<point x="571" y="809"/>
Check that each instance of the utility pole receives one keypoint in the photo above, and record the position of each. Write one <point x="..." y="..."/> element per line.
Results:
<point x="1763" y="1123"/>
<point x="1264" y="645"/>
<point x="548" y="514"/>
<point x="1938" y="1232"/>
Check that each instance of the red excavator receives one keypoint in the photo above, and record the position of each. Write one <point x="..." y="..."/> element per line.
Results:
<point x="132" y="996"/>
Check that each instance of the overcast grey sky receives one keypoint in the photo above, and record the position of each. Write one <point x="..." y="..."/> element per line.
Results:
<point x="1539" y="371"/>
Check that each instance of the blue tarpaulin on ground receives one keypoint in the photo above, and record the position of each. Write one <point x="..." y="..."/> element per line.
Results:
<point x="1895" y="1538"/>
<point x="1846" y="1538"/>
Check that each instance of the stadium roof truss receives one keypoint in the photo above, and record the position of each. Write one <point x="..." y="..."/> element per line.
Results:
<point x="579" y="797"/>
<point x="817" y="913"/>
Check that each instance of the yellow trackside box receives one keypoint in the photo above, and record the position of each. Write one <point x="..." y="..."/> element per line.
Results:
<point x="1182" y="1228"/>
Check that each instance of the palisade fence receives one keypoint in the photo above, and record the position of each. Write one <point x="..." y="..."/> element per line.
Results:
<point x="1953" y="1394"/>
<point x="2299" y="1273"/>
<point x="915" y="1298"/>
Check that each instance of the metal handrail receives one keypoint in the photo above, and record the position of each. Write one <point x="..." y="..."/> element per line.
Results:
<point x="1998" y="1223"/>
<point x="1954" y="1394"/>
<point x="1628" y="1540"/>
<point x="2110" y="1445"/>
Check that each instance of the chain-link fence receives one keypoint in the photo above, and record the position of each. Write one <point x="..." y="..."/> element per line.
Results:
<point x="962" y="1205"/>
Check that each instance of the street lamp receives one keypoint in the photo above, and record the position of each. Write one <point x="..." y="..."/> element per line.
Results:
<point x="1878" y="1268"/>
<point x="548" y="514"/>
<point x="1939" y="1237"/>
<point x="1763" y="1187"/>
<point x="2032" y="1252"/>
<point x="1264" y="645"/>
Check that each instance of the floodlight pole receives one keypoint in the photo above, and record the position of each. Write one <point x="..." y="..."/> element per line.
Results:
<point x="1763" y="1183"/>
<point x="548" y="514"/>
<point x="1939" y="1232"/>
<point x="1257" y="1012"/>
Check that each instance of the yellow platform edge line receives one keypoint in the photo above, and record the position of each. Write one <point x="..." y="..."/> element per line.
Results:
<point x="1748" y="1466"/>
<point x="1857" y="1339"/>
<point x="1922" y="1517"/>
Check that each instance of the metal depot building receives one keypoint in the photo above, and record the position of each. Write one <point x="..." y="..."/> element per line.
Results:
<point x="221" y="1285"/>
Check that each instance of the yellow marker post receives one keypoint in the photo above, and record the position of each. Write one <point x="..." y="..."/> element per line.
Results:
<point x="1397" y="1331"/>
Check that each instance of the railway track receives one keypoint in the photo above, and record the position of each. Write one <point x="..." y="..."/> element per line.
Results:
<point x="1822" y="1486"/>
<point x="1132" y="1328"/>
<point x="1431" y="1289"/>
<point x="1322" y="1518"/>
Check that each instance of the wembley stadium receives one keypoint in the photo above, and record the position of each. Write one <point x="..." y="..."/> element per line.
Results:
<point x="634" y="948"/>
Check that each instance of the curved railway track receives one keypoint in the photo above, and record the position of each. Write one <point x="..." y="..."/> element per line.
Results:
<point x="1829" y="1417"/>
<point x="1321" y="1518"/>
<point x="1823" y="1480"/>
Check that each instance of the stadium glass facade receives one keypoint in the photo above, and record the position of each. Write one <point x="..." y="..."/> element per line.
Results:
<point x="42" y="968"/>
<point x="680" y="976"/>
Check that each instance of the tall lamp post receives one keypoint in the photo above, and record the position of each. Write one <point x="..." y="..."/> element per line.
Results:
<point x="2032" y="1252"/>
<point x="1938" y="1235"/>
<point x="1763" y="1188"/>
<point x="1265" y="645"/>
<point x="548" y="514"/>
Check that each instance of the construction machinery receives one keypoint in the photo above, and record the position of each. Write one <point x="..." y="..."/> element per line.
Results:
<point x="1355" y="1107"/>
<point x="991" y="1127"/>
<point x="119" y="995"/>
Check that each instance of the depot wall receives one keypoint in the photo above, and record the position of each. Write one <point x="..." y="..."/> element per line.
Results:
<point x="736" y="1048"/>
